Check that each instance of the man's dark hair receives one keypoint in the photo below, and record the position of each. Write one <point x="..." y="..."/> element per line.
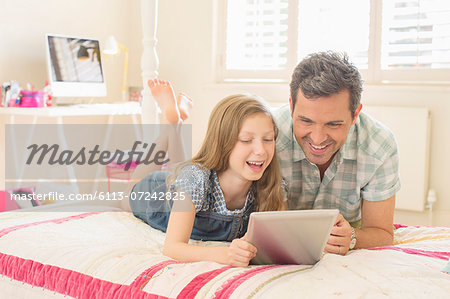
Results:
<point x="324" y="74"/>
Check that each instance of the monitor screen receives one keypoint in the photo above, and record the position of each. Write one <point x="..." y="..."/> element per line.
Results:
<point x="75" y="67"/>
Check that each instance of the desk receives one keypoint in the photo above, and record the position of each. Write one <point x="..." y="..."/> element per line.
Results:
<point x="76" y="114"/>
<point x="128" y="108"/>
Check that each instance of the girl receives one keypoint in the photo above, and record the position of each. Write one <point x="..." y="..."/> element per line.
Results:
<point x="211" y="197"/>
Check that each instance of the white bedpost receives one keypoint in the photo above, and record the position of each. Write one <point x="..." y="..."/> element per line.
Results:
<point x="149" y="59"/>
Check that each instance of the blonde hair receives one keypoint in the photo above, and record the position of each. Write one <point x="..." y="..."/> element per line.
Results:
<point x="224" y="125"/>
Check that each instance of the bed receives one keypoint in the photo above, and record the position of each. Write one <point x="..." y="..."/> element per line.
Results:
<point x="104" y="252"/>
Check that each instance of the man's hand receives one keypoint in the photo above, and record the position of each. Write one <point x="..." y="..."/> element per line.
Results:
<point x="240" y="252"/>
<point x="339" y="240"/>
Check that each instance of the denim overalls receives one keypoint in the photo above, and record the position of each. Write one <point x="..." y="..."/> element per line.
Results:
<point x="208" y="225"/>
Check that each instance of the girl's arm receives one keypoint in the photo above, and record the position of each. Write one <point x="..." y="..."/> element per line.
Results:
<point x="238" y="253"/>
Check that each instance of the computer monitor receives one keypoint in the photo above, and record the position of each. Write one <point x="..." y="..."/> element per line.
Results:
<point x="75" y="67"/>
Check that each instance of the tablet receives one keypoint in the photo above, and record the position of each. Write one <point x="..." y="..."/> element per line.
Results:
<point x="290" y="237"/>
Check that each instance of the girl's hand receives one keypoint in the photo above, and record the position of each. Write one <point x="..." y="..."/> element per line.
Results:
<point x="240" y="252"/>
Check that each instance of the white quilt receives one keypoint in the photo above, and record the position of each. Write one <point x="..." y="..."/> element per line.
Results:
<point x="107" y="253"/>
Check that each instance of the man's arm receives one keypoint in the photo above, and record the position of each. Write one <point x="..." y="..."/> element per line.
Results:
<point x="376" y="227"/>
<point x="377" y="219"/>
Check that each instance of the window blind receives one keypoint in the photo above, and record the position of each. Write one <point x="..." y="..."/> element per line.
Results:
<point x="256" y="34"/>
<point x="335" y="25"/>
<point x="415" y="34"/>
<point x="388" y="40"/>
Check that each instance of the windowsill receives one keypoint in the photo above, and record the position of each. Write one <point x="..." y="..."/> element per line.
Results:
<point x="272" y="92"/>
<point x="278" y="93"/>
<point x="411" y="83"/>
<point x="275" y="82"/>
<point x="253" y="81"/>
<point x="409" y="86"/>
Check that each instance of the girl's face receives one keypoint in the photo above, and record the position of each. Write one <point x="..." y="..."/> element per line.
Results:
<point x="254" y="148"/>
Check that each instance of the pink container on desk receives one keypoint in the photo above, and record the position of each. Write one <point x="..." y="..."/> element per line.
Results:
<point x="32" y="98"/>
<point x="133" y="165"/>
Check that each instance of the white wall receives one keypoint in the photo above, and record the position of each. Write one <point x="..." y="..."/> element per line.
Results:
<point x="185" y="47"/>
<point x="437" y="98"/>
<point x="24" y="23"/>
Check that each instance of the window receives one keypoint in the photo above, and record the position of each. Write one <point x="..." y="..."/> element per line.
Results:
<point x="389" y="40"/>
<point x="259" y="35"/>
<point x="338" y="25"/>
<point x="256" y="39"/>
<point x="415" y="40"/>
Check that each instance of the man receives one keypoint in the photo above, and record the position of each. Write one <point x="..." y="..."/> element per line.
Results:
<point x="333" y="156"/>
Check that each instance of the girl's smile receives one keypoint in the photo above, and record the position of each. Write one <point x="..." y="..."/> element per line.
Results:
<point x="254" y="149"/>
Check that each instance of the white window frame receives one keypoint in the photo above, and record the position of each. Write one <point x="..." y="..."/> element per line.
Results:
<point x="224" y="75"/>
<point x="373" y="75"/>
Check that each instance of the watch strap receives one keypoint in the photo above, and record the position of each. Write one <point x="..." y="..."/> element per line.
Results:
<point x="352" y="239"/>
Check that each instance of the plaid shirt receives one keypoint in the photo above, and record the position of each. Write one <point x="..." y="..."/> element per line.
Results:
<point x="365" y="167"/>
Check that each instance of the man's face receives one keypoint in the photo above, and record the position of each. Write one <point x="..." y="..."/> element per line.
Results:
<point x="321" y="125"/>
